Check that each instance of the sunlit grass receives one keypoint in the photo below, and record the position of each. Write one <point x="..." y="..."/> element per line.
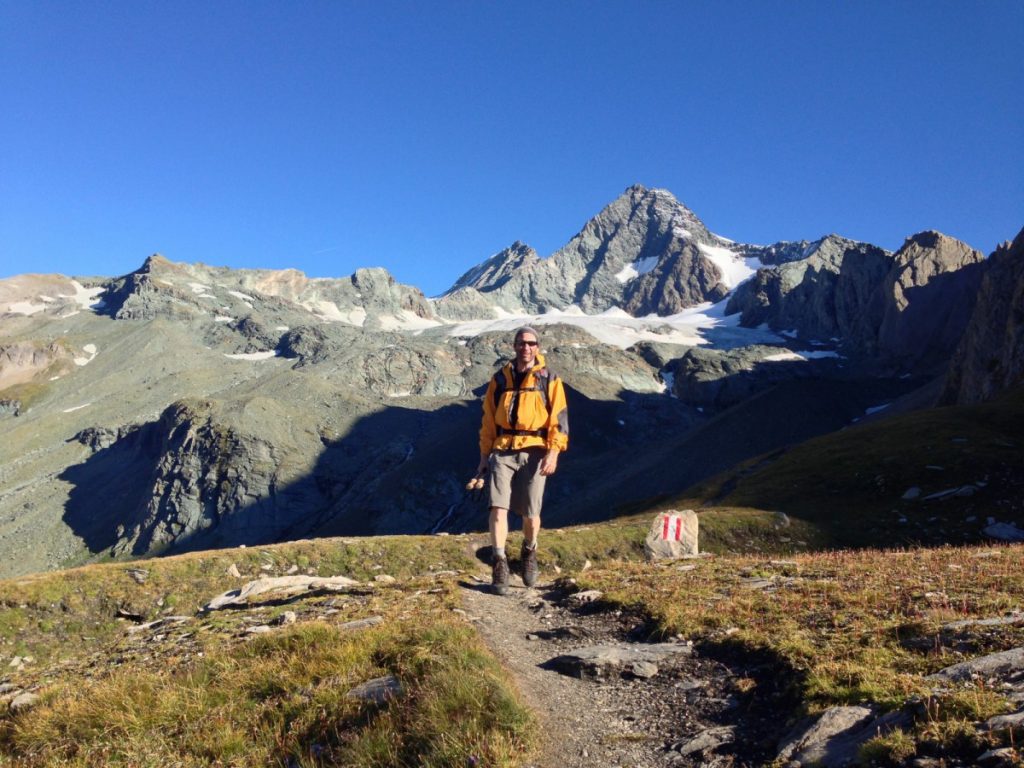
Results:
<point x="851" y="627"/>
<point x="280" y="699"/>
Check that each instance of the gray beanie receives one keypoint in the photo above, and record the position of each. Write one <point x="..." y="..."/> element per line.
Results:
<point x="526" y="329"/>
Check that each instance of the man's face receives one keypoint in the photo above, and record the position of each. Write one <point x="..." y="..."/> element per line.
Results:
<point x="526" y="349"/>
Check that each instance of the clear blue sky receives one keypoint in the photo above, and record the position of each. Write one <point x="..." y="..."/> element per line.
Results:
<point x="423" y="137"/>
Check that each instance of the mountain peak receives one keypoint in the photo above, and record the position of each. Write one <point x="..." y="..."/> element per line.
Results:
<point x="495" y="271"/>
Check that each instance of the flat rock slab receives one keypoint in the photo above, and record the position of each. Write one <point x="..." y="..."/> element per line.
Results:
<point x="378" y="690"/>
<point x="1017" y="617"/>
<point x="1001" y="665"/>
<point x="835" y="738"/>
<point x="24" y="701"/>
<point x="705" y="741"/>
<point x="640" y="660"/>
<point x="1002" y="722"/>
<point x="1004" y="532"/>
<point x="280" y="586"/>
<point x="372" y="621"/>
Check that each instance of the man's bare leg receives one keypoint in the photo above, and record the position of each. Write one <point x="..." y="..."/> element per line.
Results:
<point x="498" y="525"/>
<point x="531" y="528"/>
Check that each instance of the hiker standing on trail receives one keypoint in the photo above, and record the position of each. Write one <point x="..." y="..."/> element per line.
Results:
<point x="525" y="426"/>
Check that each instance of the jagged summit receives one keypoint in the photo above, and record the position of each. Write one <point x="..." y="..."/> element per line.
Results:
<point x="645" y="252"/>
<point x="498" y="269"/>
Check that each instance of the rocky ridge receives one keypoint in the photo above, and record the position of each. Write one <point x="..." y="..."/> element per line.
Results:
<point x="262" y="404"/>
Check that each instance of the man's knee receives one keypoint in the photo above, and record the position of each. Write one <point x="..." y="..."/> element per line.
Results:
<point x="497" y="513"/>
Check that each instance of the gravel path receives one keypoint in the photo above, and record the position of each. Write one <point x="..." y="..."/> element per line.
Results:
<point x="615" y="721"/>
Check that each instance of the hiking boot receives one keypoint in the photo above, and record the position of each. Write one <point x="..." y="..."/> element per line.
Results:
<point x="529" y="560"/>
<point x="499" y="576"/>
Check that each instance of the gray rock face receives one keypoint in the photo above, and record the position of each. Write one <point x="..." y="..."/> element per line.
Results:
<point x="499" y="269"/>
<point x="205" y="470"/>
<point x="824" y="294"/>
<point x="369" y="298"/>
<point x="465" y="303"/>
<point x="926" y="300"/>
<point x="906" y="311"/>
<point x="710" y="378"/>
<point x="990" y="357"/>
<point x="642" y="253"/>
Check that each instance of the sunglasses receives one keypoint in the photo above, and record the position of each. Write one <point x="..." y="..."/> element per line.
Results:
<point x="526" y="343"/>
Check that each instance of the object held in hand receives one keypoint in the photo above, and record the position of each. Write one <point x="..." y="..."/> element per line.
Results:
<point x="475" y="486"/>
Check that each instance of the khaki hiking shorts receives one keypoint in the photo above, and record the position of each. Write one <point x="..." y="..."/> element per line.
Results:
<point x="514" y="481"/>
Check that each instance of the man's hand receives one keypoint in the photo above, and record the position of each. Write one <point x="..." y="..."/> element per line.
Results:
<point x="482" y="466"/>
<point x="549" y="463"/>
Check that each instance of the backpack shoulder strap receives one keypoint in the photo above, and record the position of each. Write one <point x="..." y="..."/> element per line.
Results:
<point x="541" y="379"/>
<point x="501" y="383"/>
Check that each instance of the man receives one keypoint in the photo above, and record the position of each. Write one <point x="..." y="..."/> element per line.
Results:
<point x="525" y="426"/>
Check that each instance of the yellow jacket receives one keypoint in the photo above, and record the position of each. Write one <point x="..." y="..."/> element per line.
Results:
<point x="542" y="418"/>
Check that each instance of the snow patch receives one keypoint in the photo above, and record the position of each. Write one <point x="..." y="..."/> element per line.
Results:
<point x="25" y="308"/>
<point x="252" y="355"/>
<point x="90" y="350"/>
<point x="669" y="380"/>
<point x="77" y="408"/>
<point x="616" y="328"/>
<point x="86" y="298"/>
<point x="222" y="319"/>
<point x="733" y="267"/>
<point x="198" y="287"/>
<point x="802" y="356"/>
<point x="636" y="268"/>
<point x="329" y="311"/>
<point x="876" y="408"/>
<point x="241" y="296"/>
<point x="281" y="328"/>
<point x="626" y="274"/>
<point x="406" y="320"/>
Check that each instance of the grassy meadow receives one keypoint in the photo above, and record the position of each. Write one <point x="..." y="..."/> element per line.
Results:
<point x="819" y="578"/>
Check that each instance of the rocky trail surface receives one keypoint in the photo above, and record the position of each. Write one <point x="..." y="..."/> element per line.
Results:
<point x="605" y="696"/>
